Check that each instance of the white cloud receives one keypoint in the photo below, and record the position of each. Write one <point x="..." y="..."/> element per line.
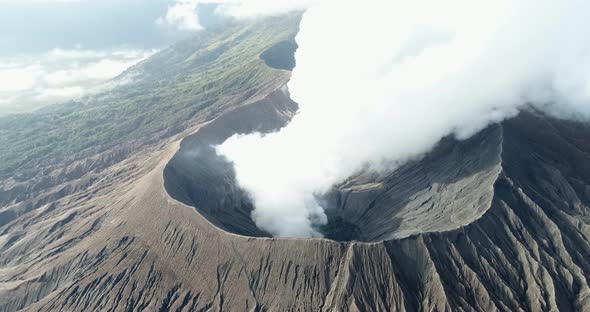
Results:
<point x="76" y="54"/>
<point x="253" y="8"/>
<point x="60" y="93"/>
<point x="17" y="78"/>
<point x="381" y="82"/>
<point x="58" y="75"/>
<point x="183" y="15"/>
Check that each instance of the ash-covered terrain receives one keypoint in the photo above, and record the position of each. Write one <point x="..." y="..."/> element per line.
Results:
<point x="155" y="221"/>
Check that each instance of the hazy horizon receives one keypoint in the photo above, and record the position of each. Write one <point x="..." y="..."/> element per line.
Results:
<point x="56" y="50"/>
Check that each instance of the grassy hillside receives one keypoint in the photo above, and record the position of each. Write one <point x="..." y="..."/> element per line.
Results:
<point x="167" y="89"/>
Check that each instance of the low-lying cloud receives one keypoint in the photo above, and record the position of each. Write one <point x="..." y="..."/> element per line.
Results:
<point x="381" y="82"/>
<point x="59" y="75"/>
<point x="183" y="14"/>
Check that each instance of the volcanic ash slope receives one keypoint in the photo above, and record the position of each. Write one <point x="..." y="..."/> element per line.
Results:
<point x="496" y="222"/>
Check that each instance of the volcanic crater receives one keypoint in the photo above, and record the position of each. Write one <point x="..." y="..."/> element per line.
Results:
<point x="432" y="194"/>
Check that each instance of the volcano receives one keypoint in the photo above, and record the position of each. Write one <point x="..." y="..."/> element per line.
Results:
<point x="157" y="222"/>
<point x="478" y="224"/>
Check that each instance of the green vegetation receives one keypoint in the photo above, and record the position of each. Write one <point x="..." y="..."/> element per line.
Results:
<point x="166" y="90"/>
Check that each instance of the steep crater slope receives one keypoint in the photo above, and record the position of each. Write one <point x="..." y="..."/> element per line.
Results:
<point x="448" y="188"/>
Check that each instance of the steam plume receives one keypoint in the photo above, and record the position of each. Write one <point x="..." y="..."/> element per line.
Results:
<point x="383" y="81"/>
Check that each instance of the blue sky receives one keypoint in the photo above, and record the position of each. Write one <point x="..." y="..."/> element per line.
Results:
<point x="30" y="26"/>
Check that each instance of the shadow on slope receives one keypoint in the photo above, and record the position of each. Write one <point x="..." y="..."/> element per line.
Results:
<point x="197" y="177"/>
<point x="281" y="55"/>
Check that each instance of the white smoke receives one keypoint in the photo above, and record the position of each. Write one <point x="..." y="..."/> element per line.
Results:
<point x="384" y="81"/>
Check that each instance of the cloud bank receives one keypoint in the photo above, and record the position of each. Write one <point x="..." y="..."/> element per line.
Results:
<point x="381" y="82"/>
<point x="58" y="75"/>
